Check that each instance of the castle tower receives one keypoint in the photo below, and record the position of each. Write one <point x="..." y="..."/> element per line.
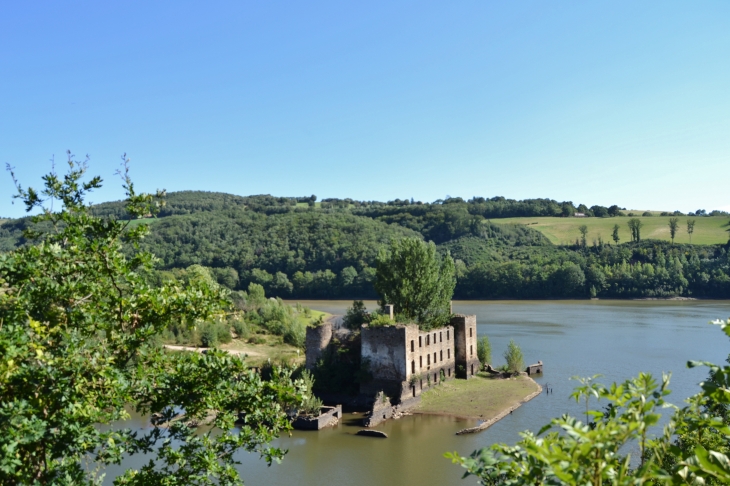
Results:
<point x="318" y="338"/>
<point x="465" y="345"/>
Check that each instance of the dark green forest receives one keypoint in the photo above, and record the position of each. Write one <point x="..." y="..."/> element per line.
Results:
<point x="296" y="248"/>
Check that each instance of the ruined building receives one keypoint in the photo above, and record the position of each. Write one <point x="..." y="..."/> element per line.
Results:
<point x="404" y="360"/>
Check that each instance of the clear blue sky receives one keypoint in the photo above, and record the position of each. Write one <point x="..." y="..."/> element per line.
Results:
<point x="594" y="102"/>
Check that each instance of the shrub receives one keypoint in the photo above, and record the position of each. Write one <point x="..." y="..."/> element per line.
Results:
<point x="223" y="331"/>
<point x="380" y="320"/>
<point x="356" y="315"/>
<point x="258" y="340"/>
<point x="311" y="405"/>
<point x="295" y="334"/>
<point x="514" y="357"/>
<point x="484" y="351"/>
<point x="242" y="329"/>
<point x="208" y="336"/>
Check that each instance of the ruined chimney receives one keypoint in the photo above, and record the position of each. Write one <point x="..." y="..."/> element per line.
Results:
<point x="388" y="308"/>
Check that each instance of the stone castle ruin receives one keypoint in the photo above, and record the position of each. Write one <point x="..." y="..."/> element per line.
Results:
<point x="404" y="360"/>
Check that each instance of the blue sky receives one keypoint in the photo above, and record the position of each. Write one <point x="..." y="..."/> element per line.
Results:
<point x="596" y="102"/>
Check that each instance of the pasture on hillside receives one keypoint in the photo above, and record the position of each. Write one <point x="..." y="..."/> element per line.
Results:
<point x="708" y="230"/>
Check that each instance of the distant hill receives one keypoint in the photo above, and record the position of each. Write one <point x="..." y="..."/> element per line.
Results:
<point x="298" y="248"/>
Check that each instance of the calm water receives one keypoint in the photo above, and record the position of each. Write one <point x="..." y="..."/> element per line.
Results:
<point x="615" y="339"/>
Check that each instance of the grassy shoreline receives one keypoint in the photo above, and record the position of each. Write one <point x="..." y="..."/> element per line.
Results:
<point x="481" y="398"/>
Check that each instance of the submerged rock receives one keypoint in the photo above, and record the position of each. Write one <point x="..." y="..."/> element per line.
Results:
<point x="372" y="433"/>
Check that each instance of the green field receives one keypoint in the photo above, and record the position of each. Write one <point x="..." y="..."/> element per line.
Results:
<point x="562" y="231"/>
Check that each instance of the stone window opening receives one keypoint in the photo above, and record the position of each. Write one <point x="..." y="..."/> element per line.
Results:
<point x="420" y="361"/>
<point x="434" y="338"/>
<point x="449" y="371"/>
<point x="414" y="391"/>
<point x="435" y="378"/>
<point x="441" y="337"/>
<point x="472" y="370"/>
<point x="471" y="350"/>
<point x="413" y="346"/>
<point x="428" y="359"/>
<point x="470" y="329"/>
<point x="420" y="343"/>
<point x="447" y="335"/>
<point x="441" y="356"/>
<point x="413" y="367"/>
<point x="448" y="354"/>
<point x="434" y="357"/>
<point x="428" y="339"/>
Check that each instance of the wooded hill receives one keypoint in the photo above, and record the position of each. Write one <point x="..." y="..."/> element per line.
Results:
<point x="297" y="248"/>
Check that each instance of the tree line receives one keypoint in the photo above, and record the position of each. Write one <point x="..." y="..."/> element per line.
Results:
<point x="302" y="253"/>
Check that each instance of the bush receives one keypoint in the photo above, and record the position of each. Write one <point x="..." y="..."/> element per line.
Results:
<point x="241" y="328"/>
<point x="484" y="351"/>
<point x="223" y="331"/>
<point x="380" y="320"/>
<point x="646" y="214"/>
<point x="312" y="405"/>
<point x="356" y="316"/>
<point x="258" y="340"/>
<point x="208" y="336"/>
<point x="514" y="357"/>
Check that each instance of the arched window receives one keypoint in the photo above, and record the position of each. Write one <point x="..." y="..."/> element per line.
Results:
<point x="413" y="346"/>
<point x="470" y="329"/>
<point x="441" y="337"/>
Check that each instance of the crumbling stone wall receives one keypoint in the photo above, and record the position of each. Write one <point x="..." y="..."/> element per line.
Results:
<point x="431" y="358"/>
<point x="384" y="348"/>
<point x="318" y="338"/>
<point x="404" y="361"/>
<point x="465" y="331"/>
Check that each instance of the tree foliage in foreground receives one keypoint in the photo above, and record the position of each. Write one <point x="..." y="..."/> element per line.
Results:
<point x="419" y="283"/>
<point x="78" y="325"/>
<point x="693" y="448"/>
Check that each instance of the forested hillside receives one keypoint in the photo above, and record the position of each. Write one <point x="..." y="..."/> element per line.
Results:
<point x="296" y="248"/>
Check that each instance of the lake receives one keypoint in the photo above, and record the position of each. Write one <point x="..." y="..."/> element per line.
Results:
<point x="614" y="338"/>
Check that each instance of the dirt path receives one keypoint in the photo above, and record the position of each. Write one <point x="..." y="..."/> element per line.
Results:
<point x="237" y="352"/>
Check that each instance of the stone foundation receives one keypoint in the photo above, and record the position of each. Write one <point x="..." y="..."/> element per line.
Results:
<point x="329" y="416"/>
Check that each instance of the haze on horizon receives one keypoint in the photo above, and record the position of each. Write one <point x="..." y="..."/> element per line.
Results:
<point x="597" y="103"/>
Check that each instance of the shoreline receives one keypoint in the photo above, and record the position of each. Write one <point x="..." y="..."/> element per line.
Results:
<point x="488" y="423"/>
<point x="485" y="402"/>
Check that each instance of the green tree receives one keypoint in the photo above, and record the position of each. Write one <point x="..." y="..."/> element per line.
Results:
<point x="416" y="280"/>
<point x="690" y="229"/>
<point x="673" y="225"/>
<point x="514" y="358"/>
<point x="635" y="226"/>
<point x="356" y="316"/>
<point x="78" y="326"/>
<point x="484" y="351"/>
<point x="583" y="232"/>
<point x="615" y="235"/>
